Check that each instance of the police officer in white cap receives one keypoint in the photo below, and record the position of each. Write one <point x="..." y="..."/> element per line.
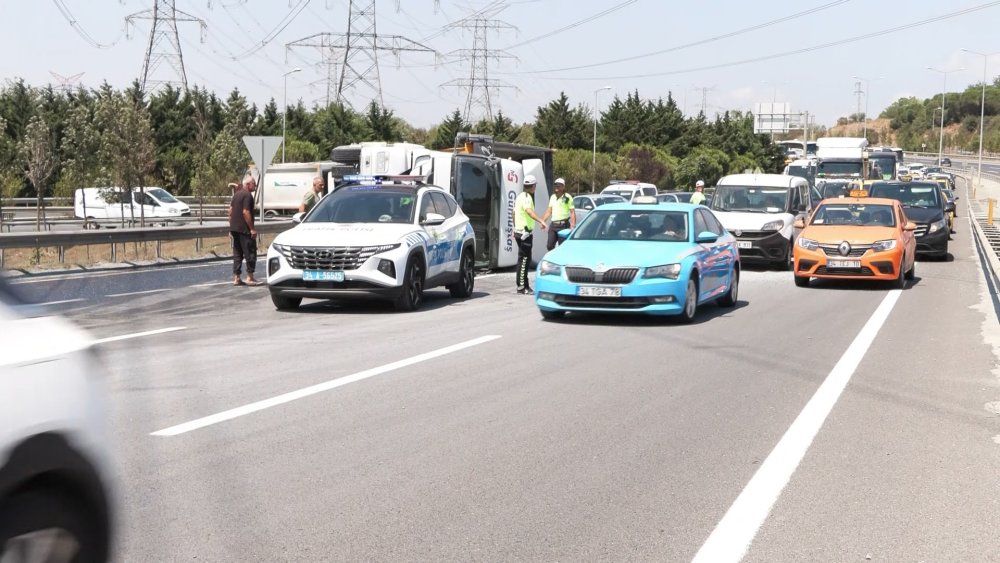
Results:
<point x="561" y="211"/>
<point x="524" y="225"/>
<point x="698" y="197"/>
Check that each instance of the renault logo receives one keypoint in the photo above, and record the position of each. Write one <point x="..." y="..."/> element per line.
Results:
<point x="844" y="248"/>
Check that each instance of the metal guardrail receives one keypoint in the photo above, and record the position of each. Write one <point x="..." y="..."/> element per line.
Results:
<point x="62" y="240"/>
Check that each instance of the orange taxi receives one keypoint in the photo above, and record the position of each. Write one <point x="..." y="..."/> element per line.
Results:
<point x="856" y="238"/>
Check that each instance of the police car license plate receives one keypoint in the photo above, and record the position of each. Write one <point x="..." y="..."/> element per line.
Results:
<point x="589" y="291"/>
<point x="843" y="264"/>
<point x="322" y="275"/>
<point x="744" y="244"/>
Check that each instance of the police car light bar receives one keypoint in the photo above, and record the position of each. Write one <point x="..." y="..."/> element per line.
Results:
<point x="379" y="178"/>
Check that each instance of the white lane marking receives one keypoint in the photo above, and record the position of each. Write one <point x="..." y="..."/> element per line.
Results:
<point x="212" y="283"/>
<point x="61" y="302"/>
<point x="731" y="538"/>
<point x="136" y="292"/>
<point x="318" y="388"/>
<point x="139" y="334"/>
<point x="121" y="271"/>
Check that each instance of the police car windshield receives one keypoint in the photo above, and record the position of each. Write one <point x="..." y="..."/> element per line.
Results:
<point x="365" y="204"/>
<point x="665" y="226"/>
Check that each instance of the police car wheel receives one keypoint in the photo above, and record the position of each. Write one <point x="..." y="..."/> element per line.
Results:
<point x="466" y="276"/>
<point x="282" y="303"/>
<point x="412" y="294"/>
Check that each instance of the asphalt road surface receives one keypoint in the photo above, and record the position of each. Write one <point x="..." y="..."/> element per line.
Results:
<point x="843" y="422"/>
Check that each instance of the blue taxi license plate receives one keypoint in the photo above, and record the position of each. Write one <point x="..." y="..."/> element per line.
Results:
<point x="322" y="275"/>
<point x="588" y="291"/>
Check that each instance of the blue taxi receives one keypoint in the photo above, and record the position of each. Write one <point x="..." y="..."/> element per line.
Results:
<point x="640" y="257"/>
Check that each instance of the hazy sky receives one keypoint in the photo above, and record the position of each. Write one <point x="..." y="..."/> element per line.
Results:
<point x="547" y="37"/>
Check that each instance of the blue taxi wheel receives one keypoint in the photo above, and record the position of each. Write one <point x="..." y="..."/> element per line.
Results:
<point x="690" y="301"/>
<point x="552" y="315"/>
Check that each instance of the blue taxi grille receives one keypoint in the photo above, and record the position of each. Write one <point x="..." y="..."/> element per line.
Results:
<point x="577" y="274"/>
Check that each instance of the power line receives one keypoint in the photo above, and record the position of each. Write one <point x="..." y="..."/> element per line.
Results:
<point x="696" y="43"/>
<point x="284" y="23"/>
<point x="82" y="32"/>
<point x="789" y="53"/>
<point x="574" y="24"/>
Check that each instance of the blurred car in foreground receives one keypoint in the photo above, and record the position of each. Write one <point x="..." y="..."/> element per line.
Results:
<point x="856" y="238"/>
<point x="54" y="460"/>
<point x="644" y="257"/>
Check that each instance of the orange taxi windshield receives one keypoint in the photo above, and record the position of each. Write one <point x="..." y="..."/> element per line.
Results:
<point x="862" y="215"/>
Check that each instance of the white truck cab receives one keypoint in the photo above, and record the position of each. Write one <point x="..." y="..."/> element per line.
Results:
<point x="760" y="210"/>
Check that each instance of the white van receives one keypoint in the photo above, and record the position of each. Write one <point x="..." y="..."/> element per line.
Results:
<point x="759" y="210"/>
<point x="98" y="204"/>
<point x="629" y="189"/>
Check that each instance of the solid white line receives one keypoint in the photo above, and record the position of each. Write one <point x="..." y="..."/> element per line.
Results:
<point x="61" y="302"/>
<point x="136" y="292"/>
<point x="317" y="388"/>
<point x="212" y="283"/>
<point x="732" y="537"/>
<point x="139" y="334"/>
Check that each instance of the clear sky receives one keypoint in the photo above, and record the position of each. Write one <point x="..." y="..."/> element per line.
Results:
<point x="545" y="36"/>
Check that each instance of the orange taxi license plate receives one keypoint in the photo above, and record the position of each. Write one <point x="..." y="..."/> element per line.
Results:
<point x="589" y="291"/>
<point x="843" y="263"/>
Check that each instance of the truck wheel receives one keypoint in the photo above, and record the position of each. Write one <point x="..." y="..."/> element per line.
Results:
<point x="413" y="287"/>
<point x="466" y="276"/>
<point x="282" y="303"/>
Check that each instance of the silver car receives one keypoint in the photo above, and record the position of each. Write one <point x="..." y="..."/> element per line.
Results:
<point x="585" y="203"/>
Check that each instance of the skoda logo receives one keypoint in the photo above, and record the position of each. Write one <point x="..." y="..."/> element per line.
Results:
<point x="600" y="267"/>
<point x="844" y="248"/>
<point x="738" y="233"/>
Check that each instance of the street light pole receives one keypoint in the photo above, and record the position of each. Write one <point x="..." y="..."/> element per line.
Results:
<point x="944" y="88"/>
<point x="982" y="112"/>
<point x="867" y="96"/>
<point x="284" y="110"/>
<point x="593" y="163"/>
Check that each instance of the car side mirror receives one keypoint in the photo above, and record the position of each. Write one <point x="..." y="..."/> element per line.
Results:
<point x="949" y="207"/>
<point x="433" y="219"/>
<point x="297" y="218"/>
<point x="799" y="224"/>
<point x="706" y="236"/>
<point x="563" y="234"/>
<point x="910" y="226"/>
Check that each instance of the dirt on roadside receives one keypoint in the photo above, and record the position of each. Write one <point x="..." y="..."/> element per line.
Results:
<point x="98" y="255"/>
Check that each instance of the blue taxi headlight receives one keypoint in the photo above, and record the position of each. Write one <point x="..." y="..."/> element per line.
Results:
<point x="667" y="271"/>
<point x="547" y="268"/>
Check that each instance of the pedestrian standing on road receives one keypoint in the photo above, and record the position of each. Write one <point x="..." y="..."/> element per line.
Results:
<point x="243" y="232"/>
<point x="312" y="197"/>
<point x="698" y="197"/>
<point x="561" y="211"/>
<point x="524" y="226"/>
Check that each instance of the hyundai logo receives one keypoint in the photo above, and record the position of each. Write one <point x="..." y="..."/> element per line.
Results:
<point x="324" y="254"/>
<point x="844" y="248"/>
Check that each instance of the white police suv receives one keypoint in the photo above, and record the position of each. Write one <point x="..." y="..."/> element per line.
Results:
<point x="381" y="237"/>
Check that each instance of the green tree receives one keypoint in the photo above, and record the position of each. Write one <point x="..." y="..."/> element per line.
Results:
<point x="701" y="164"/>
<point x="576" y="167"/>
<point x="647" y="164"/>
<point x="127" y="142"/>
<point x="557" y="125"/>
<point x="445" y="132"/>
<point x="382" y="124"/>
<point x="80" y="150"/>
<point x="38" y="154"/>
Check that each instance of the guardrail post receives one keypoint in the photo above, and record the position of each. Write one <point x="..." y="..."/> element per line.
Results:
<point x="114" y="252"/>
<point x="989" y="210"/>
<point x="61" y="252"/>
<point x="157" y="249"/>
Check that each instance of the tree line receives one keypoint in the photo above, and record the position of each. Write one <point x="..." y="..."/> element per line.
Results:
<point x="53" y="141"/>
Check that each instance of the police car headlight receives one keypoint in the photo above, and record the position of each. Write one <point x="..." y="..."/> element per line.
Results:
<point x="773" y="226"/>
<point x="547" y="268"/>
<point x="666" y="271"/>
<point x="937" y="226"/>
<point x="284" y="250"/>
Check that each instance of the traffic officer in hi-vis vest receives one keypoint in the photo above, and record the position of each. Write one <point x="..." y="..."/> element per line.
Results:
<point x="524" y="225"/>
<point x="561" y="211"/>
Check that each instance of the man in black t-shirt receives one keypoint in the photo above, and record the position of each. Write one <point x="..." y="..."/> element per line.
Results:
<point x="243" y="233"/>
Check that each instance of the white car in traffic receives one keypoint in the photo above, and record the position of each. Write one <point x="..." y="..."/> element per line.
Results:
<point x="374" y="238"/>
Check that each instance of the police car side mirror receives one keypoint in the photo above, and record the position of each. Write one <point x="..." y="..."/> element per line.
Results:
<point x="433" y="219"/>
<point x="297" y="218"/>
